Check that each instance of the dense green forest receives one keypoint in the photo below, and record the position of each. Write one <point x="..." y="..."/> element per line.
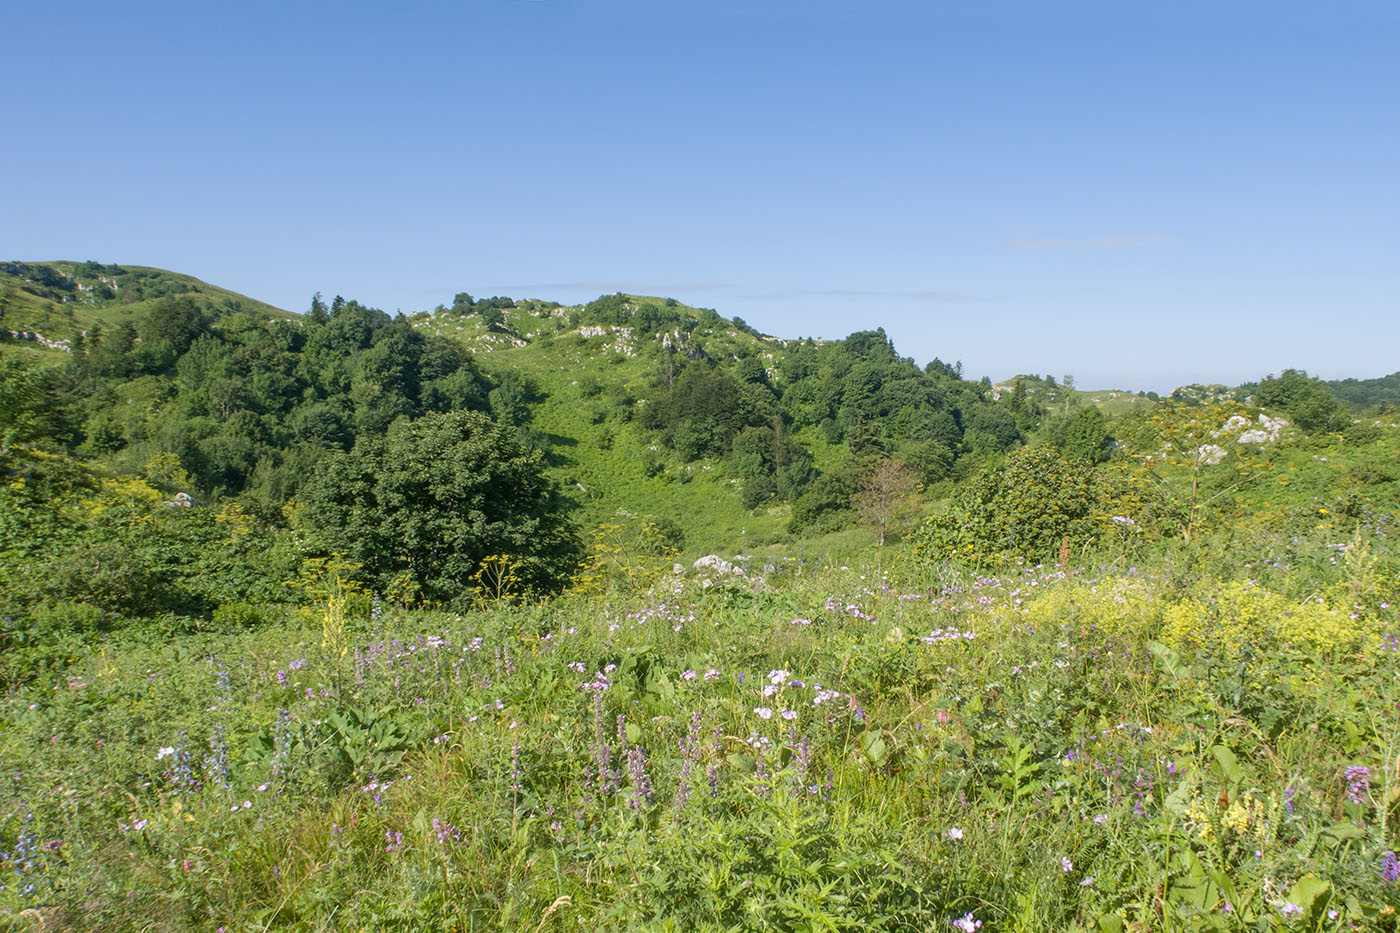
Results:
<point x="508" y="614"/>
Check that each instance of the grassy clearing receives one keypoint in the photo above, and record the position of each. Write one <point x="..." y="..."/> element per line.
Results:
<point x="903" y="747"/>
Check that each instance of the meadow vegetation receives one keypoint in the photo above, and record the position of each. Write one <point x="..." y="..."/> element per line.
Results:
<point x="355" y="623"/>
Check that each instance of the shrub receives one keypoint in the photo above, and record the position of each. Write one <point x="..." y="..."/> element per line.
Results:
<point x="1026" y="509"/>
<point x="240" y="615"/>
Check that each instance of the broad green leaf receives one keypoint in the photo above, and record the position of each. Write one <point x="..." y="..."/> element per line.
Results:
<point x="1229" y="764"/>
<point x="874" y="745"/>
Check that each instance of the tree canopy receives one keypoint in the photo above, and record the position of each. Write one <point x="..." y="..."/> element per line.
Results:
<point x="432" y="498"/>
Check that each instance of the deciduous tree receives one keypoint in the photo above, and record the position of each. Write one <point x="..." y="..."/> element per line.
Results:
<point x="436" y="496"/>
<point x="888" y="497"/>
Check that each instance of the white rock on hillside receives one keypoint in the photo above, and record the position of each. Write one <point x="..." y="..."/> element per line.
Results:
<point x="1268" y="430"/>
<point x="1232" y="424"/>
<point x="713" y="563"/>
<point x="1211" y="454"/>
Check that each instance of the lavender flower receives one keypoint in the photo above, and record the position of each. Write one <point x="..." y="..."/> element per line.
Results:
<point x="281" y="743"/>
<point x="607" y="779"/>
<point x="801" y="761"/>
<point x="690" y="754"/>
<point x="445" y="831"/>
<point x="221" y="680"/>
<point x="1358" y="783"/>
<point x="637" y="773"/>
<point x="216" y="762"/>
<point x="181" y="767"/>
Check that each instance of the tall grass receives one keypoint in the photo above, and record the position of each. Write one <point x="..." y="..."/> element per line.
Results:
<point x="869" y="746"/>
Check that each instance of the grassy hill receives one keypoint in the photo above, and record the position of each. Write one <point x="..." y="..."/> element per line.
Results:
<point x="1365" y="393"/>
<point x="589" y="382"/>
<point x="262" y="397"/>
<point x="1054" y="397"/>
<point x="49" y="304"/>
<point x="1117" y="686"/>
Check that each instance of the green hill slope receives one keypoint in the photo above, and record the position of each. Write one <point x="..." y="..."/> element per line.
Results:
<point x="1050" y="396"/>
<point x="588" y="383"/>
<point x="644" y="408"/>
<point x="45" y="306"/>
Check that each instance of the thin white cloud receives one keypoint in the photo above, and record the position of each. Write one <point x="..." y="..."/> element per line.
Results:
<point x="947" y="297"/>
<point x="607" y="288"/>
<point x="1120" y="241"/>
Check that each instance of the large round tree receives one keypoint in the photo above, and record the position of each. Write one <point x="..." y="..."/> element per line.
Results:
<point x="434" y="496"/>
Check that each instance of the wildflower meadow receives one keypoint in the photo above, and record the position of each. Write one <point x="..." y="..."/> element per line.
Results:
<point x="890" y="744"/>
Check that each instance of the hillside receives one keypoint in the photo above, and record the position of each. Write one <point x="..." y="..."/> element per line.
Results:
<point x="645" y="409"/>
<point x="1368" y="393"/>
<point x="48" y="305"/>
<point x="642" y="409"/>
<point x="587" y="383"/>
<point x="1048" y="395"/>
<point x="342" y="619"/>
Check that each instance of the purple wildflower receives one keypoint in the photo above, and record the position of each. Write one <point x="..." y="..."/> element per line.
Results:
<point x="637" y="772"/>
<point x="1358" y="783"/>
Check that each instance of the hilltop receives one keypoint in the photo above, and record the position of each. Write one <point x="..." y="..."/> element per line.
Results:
<point x="49" y="305"/>
<point x="589" y="378"/>
<point x="1045" y="393"/>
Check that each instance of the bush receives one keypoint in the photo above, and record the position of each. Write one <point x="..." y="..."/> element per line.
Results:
<point x="235" y="616"/>
<point x="1026" y="510"/>
<point x="47" y="638"/>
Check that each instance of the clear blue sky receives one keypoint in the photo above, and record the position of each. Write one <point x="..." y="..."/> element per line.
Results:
<point x="1141" y="194"/>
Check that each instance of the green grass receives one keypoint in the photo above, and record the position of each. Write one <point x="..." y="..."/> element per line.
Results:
<point x="1039" y="751"/>
<point x="1185" y="726"/>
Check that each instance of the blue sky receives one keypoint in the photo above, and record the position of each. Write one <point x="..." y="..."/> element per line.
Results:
<point x="1138" y="194"/>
